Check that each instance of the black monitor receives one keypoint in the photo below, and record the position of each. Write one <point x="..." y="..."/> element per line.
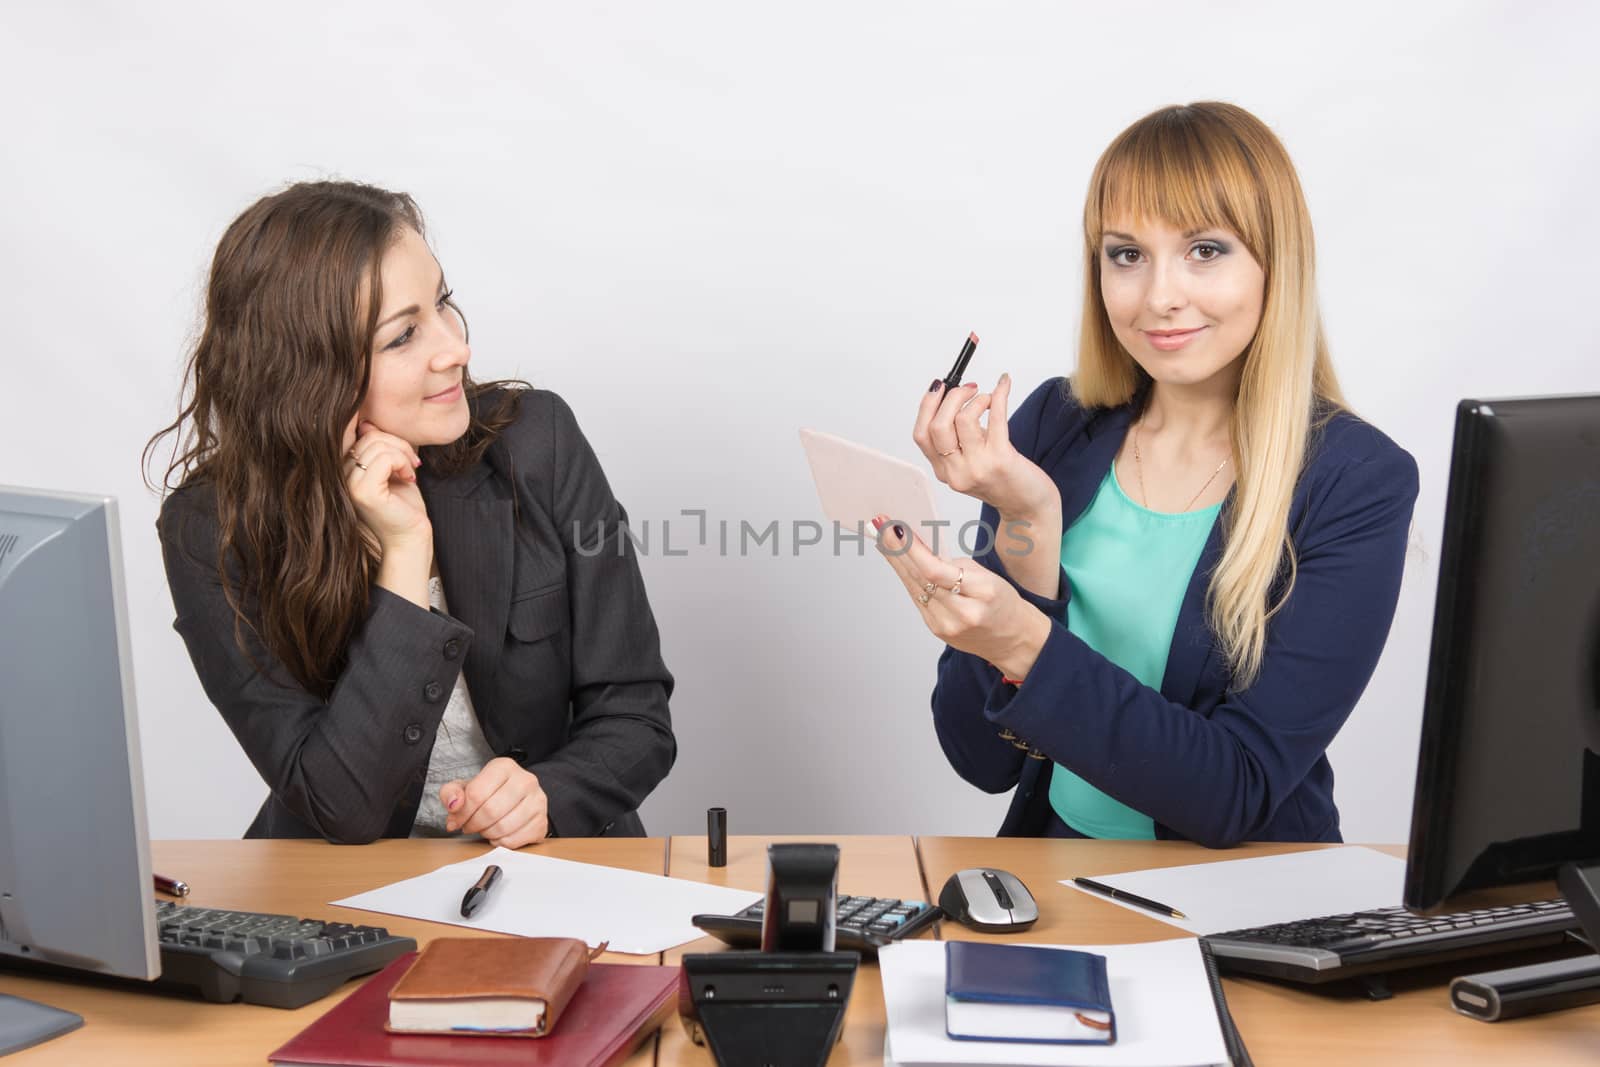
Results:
<point x="1508" y="777"/>
<point x="75" y="882"/>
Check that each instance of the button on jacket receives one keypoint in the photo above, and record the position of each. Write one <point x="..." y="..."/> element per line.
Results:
<point x="548" y="621"/>
<point x="1204" y="762"/>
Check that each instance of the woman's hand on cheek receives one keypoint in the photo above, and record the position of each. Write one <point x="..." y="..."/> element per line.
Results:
<point x="380" y="474"/>
<point x="504" y="803"/>
<point x="965" y="605"/>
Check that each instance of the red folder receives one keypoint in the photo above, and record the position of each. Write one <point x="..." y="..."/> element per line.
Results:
<point x="613" y="1012"/>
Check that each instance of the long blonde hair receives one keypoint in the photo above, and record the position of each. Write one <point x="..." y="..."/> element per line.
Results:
<point x="1216" y="165"/>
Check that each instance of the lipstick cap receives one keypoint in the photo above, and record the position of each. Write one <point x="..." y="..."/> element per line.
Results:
<point x="717" y="837"/>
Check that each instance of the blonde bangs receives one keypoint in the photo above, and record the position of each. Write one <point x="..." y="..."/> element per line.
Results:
<point x="1180" y="180"/>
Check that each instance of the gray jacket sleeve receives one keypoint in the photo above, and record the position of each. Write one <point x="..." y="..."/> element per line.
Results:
<point x="342" y="765"/>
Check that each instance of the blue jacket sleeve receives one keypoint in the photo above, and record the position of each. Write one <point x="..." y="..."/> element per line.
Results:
<point x="972" y="744"/>
<point x="1218" y="778"/>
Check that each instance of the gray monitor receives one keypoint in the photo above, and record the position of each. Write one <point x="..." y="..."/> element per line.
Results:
<point x="75" y="883"/>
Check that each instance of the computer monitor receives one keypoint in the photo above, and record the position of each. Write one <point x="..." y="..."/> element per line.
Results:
<point x="75" y="883"/>
<point x="1508" y="777"/>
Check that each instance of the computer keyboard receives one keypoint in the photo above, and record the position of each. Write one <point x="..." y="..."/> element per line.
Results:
<point x="861" y="924"/>
<point x="1334" y="947"/>
<point x="276" y="960"/>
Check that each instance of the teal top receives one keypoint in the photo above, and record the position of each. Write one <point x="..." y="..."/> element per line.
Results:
<point x="1128" y="569"/>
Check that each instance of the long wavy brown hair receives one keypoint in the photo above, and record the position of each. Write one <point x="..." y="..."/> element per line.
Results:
<point x="280" y="368"/>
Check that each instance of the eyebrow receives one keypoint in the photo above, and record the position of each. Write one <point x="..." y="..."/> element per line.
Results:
<point x="1130" y="237"/>
<point x="410" y="310"/>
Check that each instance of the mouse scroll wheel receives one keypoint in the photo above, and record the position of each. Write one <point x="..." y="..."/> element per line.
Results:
<point x="1000" y="895"/>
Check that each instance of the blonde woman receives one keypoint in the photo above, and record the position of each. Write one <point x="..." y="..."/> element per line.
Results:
<point x="1195" y="549"/>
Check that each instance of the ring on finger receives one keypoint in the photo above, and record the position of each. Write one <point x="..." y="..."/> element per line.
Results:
<point x="961" y="574"/>
<point x="923" y="598"/>
<point x="929" y="588"/>
<point x="952" y="452"/>
<point x="358" y="463"/>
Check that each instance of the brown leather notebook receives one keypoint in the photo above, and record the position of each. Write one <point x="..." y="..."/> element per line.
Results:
<point x="488" y="985"/>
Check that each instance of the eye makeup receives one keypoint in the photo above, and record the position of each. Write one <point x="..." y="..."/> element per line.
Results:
<point x="1217" y="246"/>
<point x="405" y="335"/>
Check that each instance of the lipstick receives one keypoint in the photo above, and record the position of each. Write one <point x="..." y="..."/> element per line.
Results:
<point x="953" y="379"/>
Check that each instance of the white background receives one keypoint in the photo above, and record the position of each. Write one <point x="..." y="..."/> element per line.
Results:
<point x="707" y="225"/>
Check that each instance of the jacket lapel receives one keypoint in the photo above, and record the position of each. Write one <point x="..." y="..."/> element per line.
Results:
<point x="1080" y="460"/>
<point x="474" y="534"/>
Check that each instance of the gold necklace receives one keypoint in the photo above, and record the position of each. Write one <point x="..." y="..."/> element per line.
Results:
<point x="1138" y="465"/>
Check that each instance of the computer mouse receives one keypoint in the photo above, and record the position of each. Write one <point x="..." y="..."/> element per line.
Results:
<point x="989" y="900"/>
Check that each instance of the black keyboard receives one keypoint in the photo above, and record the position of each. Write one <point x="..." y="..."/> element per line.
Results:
<point x="1333" y="947"/>
<point x="276" y="960"/>
<point x="861" y="924"/>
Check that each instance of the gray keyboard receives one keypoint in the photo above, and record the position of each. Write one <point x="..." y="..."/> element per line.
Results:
<point x="277" y="960"/>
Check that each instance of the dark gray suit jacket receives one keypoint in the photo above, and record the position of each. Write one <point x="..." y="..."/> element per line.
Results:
<point x="548" y="621"/>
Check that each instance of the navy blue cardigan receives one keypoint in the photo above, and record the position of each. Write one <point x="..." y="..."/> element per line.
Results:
<point x="1207" y="764"/>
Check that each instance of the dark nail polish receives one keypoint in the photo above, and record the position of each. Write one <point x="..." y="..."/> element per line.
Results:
<point x="900" y="531"/>
<point x="937" y="382"/>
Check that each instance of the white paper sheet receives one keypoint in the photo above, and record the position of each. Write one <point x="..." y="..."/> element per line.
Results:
<point x="1237" y="894"/>
<point x="539" y="896"/>
<point x="1165" y="1014"/>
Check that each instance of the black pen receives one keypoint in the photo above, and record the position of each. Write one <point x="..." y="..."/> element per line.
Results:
<point x="1132" y="898"/>
<point x="480" y="891"/>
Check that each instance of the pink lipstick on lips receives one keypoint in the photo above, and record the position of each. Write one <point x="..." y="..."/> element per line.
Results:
<point x="1171" y="340"/>
<point x="448" y="396"/>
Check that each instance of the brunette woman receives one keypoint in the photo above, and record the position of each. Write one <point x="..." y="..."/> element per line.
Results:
<point x="411" y="596"/>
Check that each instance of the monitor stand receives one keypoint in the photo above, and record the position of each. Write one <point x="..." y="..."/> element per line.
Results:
<point x="1580" y="884"/>
<point x="24" y="1023"/>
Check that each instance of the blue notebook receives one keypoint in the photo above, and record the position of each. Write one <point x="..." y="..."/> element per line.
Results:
<point x="1029" y="994"/>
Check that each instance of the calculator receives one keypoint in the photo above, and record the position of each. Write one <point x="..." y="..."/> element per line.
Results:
<point x="861" y="924"/>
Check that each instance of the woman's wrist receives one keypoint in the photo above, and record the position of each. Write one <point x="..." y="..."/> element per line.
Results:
<point x="405" y="568"/>
<point x="1030" y="551"/>
<point x="1039" y="506"/>
<point x="1019" y="659"/>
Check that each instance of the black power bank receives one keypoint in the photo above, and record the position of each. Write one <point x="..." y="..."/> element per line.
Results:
<point x="1495" y="995"/>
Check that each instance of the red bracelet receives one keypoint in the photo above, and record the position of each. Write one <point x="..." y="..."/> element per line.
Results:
<point x="1005" y="680"/>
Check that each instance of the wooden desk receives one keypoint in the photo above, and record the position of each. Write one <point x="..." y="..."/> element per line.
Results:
<point x="1281" y="1024"/>
<point x="292" y="877"/>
